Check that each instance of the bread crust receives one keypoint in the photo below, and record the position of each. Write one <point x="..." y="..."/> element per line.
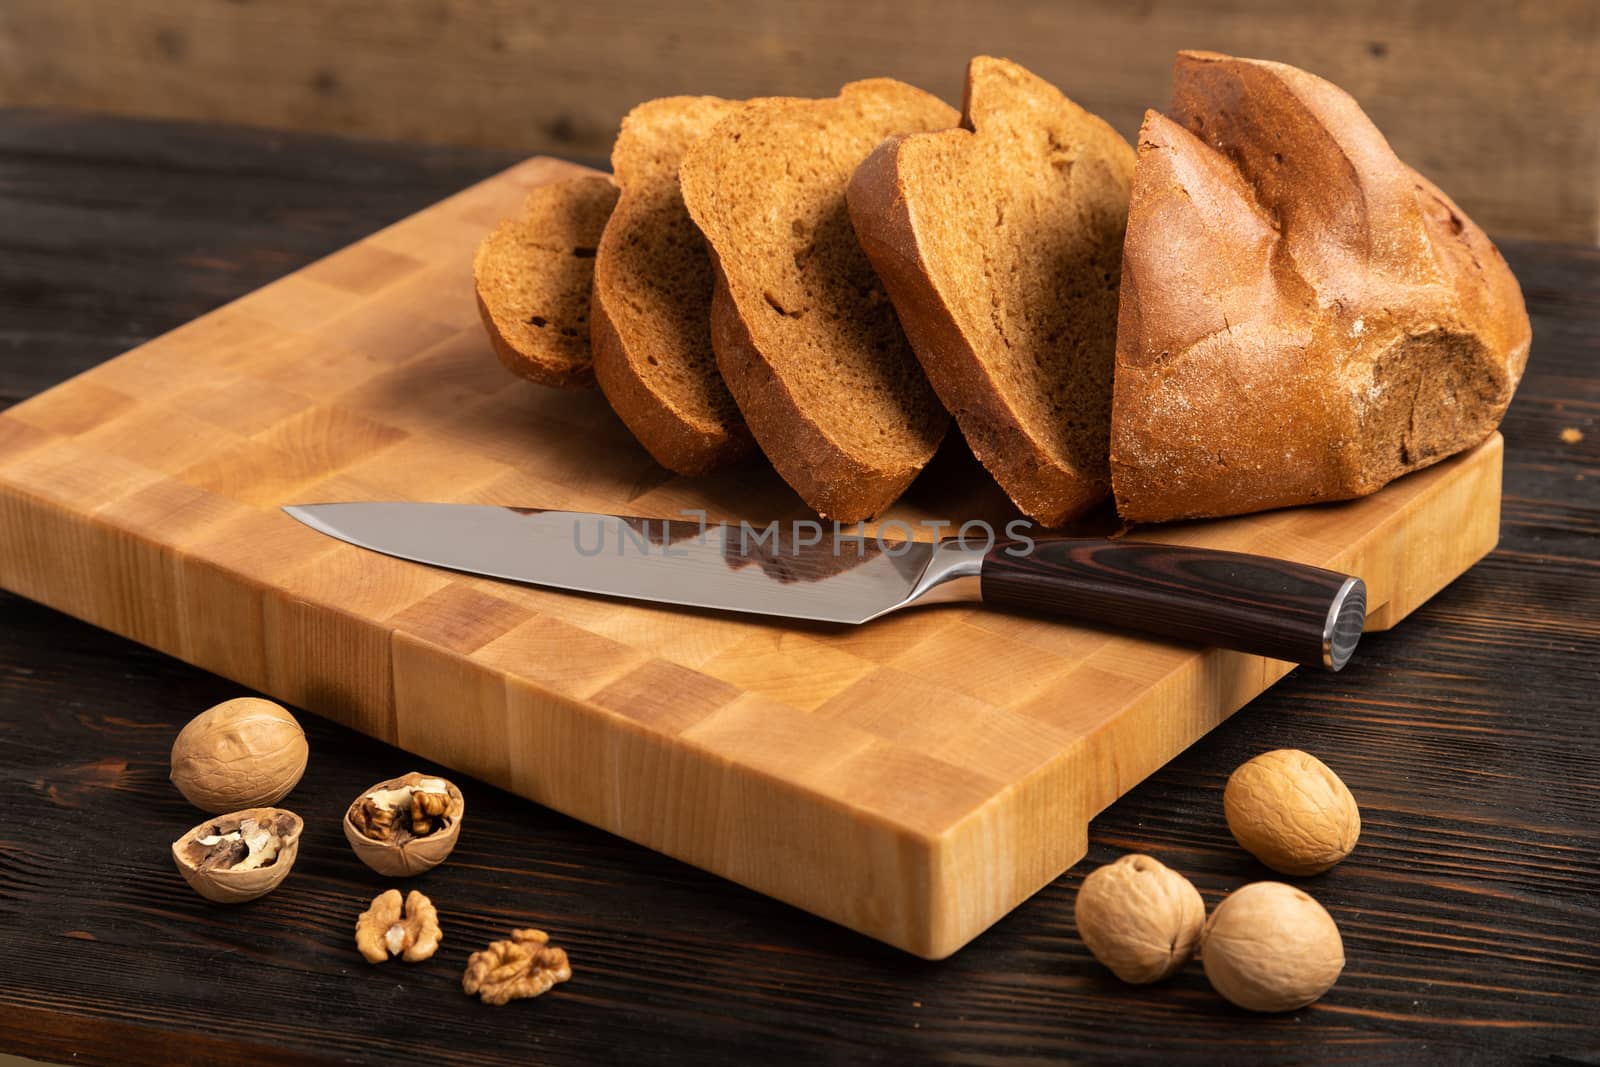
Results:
<point x="522" y="363"/>
<point x="899" y="236"/>
<point x="627" y="342"/>
<point x="555" y="214"/>
<point x="1304" y="318"/>
<point x="835" y="482"/>
<point x="840" y="482"/>
<point x="672" y="438"/>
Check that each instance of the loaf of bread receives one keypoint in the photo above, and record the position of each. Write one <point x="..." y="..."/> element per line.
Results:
<point x="651" y="310"/>
<point x="1304" y="317"/>
<point x="533" y="276"/>
<point x="804" y="333"/>
<point x="1001" y="246"/>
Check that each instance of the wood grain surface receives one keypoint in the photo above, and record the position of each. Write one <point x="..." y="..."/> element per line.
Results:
<point x="1493" y="101"/>
<point x="913" y="779"/>
<point x="1467" y="735"/>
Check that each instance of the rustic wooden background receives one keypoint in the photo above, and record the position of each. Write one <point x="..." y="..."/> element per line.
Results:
<point x="1496" y="101"/>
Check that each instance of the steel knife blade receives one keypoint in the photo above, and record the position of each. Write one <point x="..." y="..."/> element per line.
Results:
<point x="799" y="570"/>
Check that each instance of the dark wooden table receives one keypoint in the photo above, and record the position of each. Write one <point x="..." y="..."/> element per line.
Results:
<point x="1470" y="736"/>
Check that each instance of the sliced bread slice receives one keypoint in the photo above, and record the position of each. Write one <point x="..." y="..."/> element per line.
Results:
<point x="805" y="336"/>
<point x="1001" y="246"/>
<point x="650" y="316"/>
<point x="533" y="275"/>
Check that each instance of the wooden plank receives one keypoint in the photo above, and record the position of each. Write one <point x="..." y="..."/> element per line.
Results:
<point x="913" y="779"/>
<point x="1497" y="106"/>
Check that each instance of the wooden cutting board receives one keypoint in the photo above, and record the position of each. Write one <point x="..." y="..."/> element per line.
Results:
<point x="913" y="779"/>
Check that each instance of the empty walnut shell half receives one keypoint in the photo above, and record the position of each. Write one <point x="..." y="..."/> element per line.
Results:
<point x="241" y="855"/>
<point x="407" y="825"/>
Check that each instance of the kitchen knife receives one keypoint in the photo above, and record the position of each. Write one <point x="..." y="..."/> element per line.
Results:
<point x="1272" y="607"/>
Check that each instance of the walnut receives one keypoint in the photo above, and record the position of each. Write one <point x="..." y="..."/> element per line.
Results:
<point x="1291" y="812"/>
<point x="428" y="810"/>
<point x="239" y="856"/>
<point x="244" y="753"/>
<point x="386" y="929"/>
<point x="374" y="819"/>
<point x="525" y="966"/>
<point x="1139" y="917"/>
<point x="1271" y="947"/>
<point x="406" y="825"/>
<point x="396" y="815"/>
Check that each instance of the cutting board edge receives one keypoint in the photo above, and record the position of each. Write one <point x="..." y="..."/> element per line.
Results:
<point x="1484" y="526"/>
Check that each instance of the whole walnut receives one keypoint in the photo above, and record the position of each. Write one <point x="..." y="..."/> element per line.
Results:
<point x="1140" y="918"/>
<point x="1291" y="812"/>
<point x="244" y="753"/>
<point x="1270" y="947"/>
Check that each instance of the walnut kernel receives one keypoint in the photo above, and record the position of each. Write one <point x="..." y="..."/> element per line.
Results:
<point x="396" y="815"/>
<point x="388" y="928"/>
<point x="525" y="966"/>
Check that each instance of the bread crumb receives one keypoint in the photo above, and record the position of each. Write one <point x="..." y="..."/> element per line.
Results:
<point x="1358" y="327"/>
<point x="1571" y="435"/>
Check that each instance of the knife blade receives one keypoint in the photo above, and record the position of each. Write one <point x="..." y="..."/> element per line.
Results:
<point x="1272" y="607"/>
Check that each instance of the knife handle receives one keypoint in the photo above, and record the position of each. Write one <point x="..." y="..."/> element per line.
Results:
<point x="1271" y="607"/>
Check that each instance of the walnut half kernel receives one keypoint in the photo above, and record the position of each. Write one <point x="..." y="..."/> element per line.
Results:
<point x="390" y="928"/>
<point x="407" y="825"/>
<point x="406" y="811"/>
<point x="525" y="966"/>
<point x="239" y="856"/>
<point x="246" y="848"/>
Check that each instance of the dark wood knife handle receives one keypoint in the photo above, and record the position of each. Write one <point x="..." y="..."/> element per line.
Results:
<point x="1271" y="607"/>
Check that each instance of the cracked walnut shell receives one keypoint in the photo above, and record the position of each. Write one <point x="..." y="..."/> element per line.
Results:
<point x="1139" y="917"/>
<point x="388" y="928"/>
<point x="407" y="825"/>
<point x="1291" y="812"/>
<point x="239" y="856"/>
<point x="525" y="966"/>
